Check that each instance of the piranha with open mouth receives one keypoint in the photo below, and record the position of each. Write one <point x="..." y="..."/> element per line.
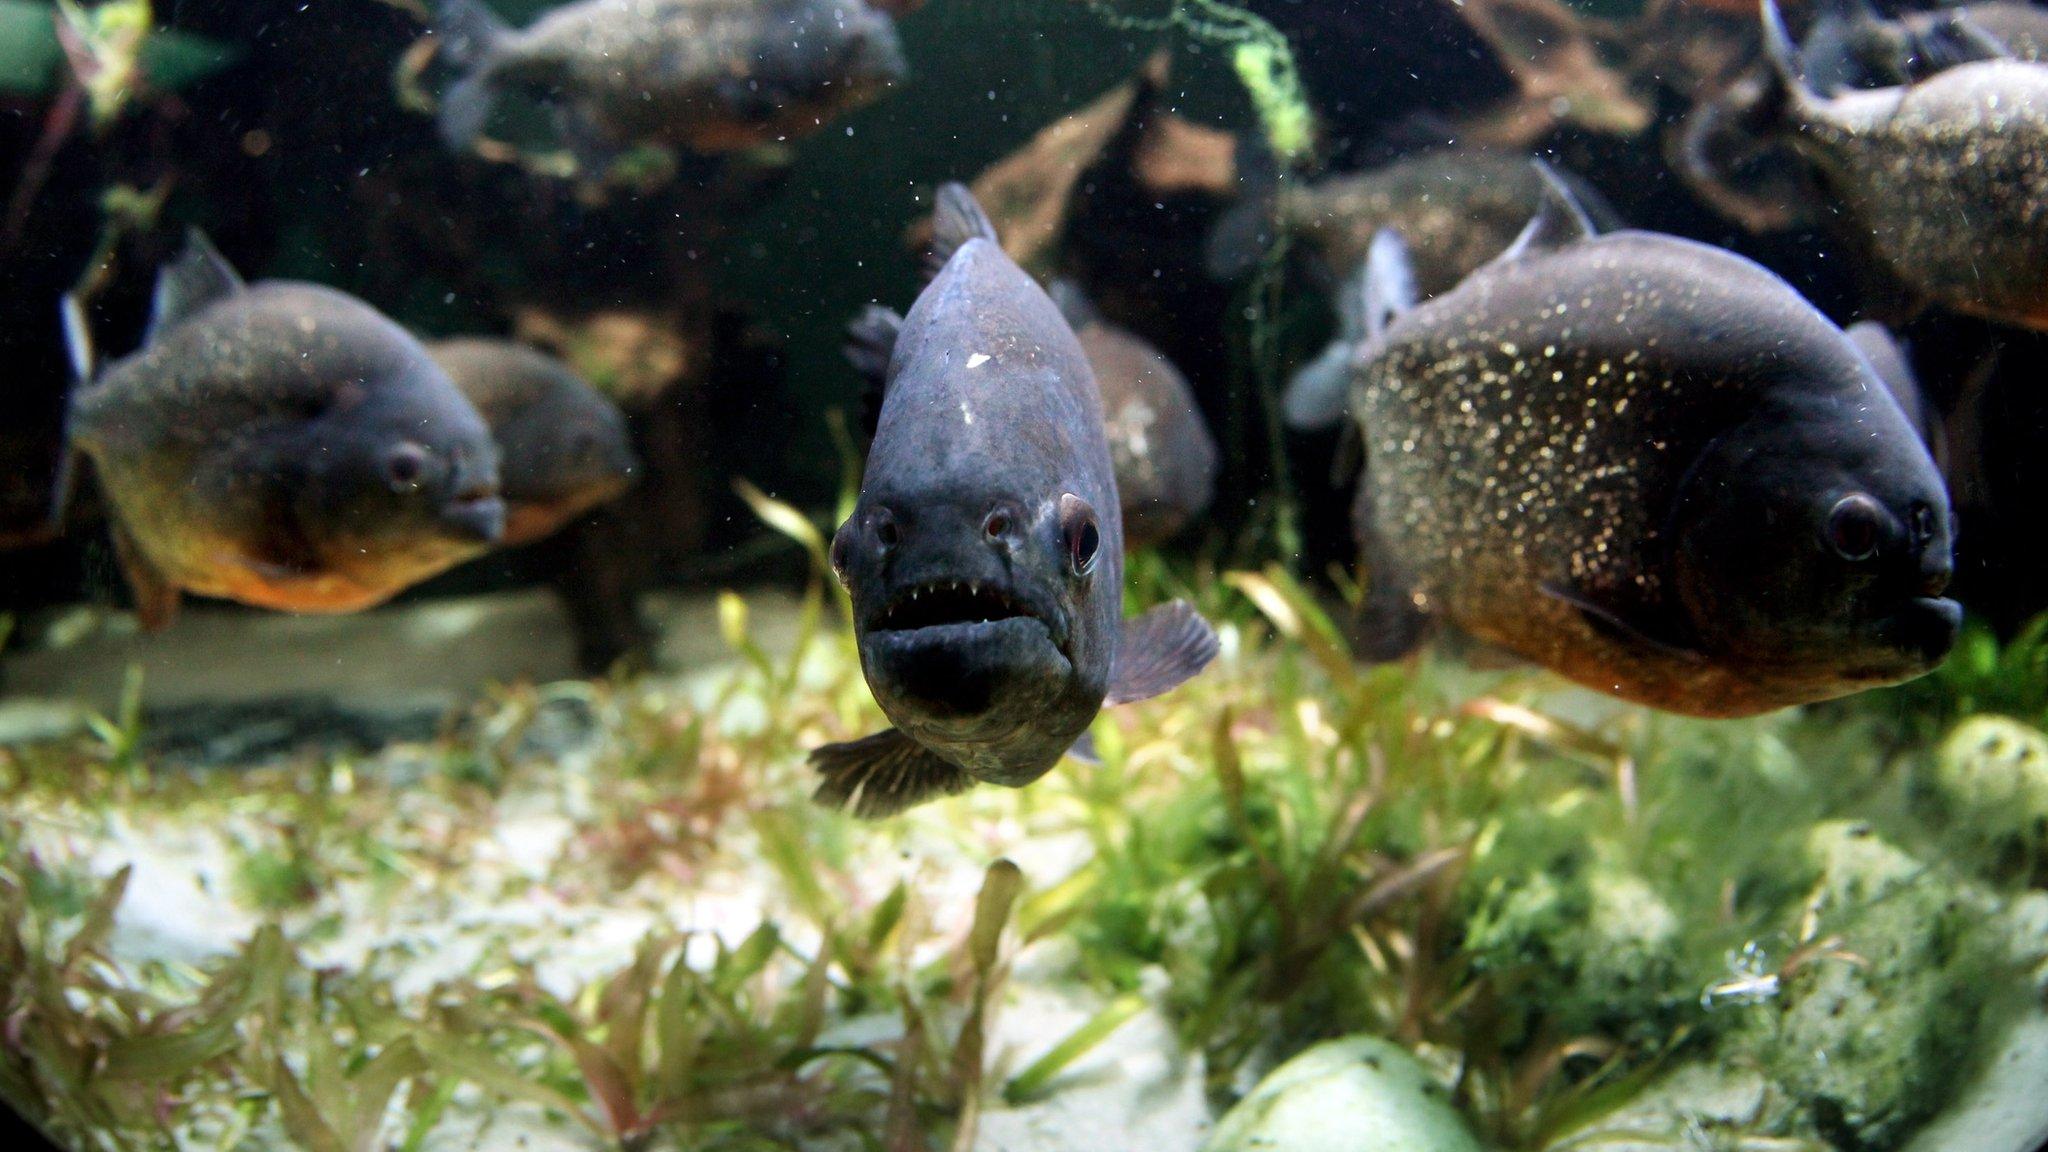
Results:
<point x="985" y="556"/>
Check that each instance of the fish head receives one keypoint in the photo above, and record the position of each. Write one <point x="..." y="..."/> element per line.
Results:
<point x="980" y="611"/>
<point x="399" y="474"/>
<point x="1815" y="540"/>
<point x="824" y="51"/>
<point x="574" y="450"/>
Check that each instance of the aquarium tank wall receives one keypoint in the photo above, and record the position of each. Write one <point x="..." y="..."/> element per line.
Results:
<point x="1024" y="575"/>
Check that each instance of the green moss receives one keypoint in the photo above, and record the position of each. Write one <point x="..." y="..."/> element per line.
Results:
<point x="1879" y="1006"/>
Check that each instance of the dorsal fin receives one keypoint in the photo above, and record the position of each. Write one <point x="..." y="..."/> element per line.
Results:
<point x="1559" y="221"/>
<point x="956" y="218"/>
<point x="198" y="277"/>
<point x="1783" y="54"/>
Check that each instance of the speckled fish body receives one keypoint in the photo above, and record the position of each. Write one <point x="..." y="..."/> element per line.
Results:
<point x="563" y="448"/>
<point x="710" y="75"/>
<point x="1455" y="208"/>
<point x="1948" y="177"/>
<point x="284" y="445"/>
<point x="1159" y="445"/>
<point x="1624" y="458"/>
<point x="985" y="554"/>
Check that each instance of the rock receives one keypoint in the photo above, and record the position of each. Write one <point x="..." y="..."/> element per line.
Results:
<point x="1360" y="1094"/>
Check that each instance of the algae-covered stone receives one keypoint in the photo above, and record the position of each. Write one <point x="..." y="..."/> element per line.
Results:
<point x="1590" y="944"/>
<point x="1881" y="1012"/>
<point x="1360" y="1094"/>
<point x="1993" y="771"/>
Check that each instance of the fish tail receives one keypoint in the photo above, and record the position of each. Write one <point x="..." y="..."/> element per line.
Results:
<point x="473" y="36"/>
<point x="956" y="218"/>
<point x="1380" y="289"/>
<point x="78" y="347"/>
<point x="1244" y="232"/>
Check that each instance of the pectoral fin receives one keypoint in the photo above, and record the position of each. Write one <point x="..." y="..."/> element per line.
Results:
<point x="1633" y="628"/>
<point x="882" y="774"/>
<point x="1158" y="651"/>
<point x="156" y="598"/>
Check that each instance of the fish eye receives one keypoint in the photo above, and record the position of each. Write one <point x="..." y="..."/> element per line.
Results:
<point x="406" y="467"/>
<point x="1083" y="538"/>
<point x="997" y="525"/>
<point x="1856" y="527"/>
<point x="885" y="530"/>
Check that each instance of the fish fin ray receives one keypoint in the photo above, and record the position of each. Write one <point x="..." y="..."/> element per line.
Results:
<point x="465" y="109"/>
<point x="956" y="218"/>
<point x="880" y="775"/>
<point x="1616" y="625"/>
<point x="1158" y="651"/>
<point x="1559" y="220"/>
<point x="156" y="598"/>
<point x="198" y="277"/>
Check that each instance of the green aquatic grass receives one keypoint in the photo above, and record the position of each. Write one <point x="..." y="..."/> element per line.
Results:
<point x="1564" y="908"/>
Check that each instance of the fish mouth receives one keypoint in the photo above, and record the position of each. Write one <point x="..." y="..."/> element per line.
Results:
<point x="942" y="604"/>
<point x="476" y="514"/>
<point x="962" y="651"/>
<point x="1926" y="627"/>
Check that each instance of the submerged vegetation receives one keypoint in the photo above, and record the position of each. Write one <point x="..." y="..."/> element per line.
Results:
<point x="605" y="914"/>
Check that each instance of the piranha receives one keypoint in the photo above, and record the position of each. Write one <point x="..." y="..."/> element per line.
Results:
<point x="1647" y="464"/>
<point x="281" y="444"/>
<point x="1457" y="208"/>
<point x="708" y="75"/>
<point x="1853" y="45"/>
<point x="562" y="447"/>
<point x="1948" y="176"/>
<point x="984" y="556"/>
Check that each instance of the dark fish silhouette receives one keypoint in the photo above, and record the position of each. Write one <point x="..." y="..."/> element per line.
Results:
<point x="708" y="75"/>
<point x="281" y="444"/>
<point x="562" y="447"/>
<point x="985" y="556"/>
<point x="1456" y="208"/>
<point x="1947" y="176"/>
<point x="1648" y="465"/>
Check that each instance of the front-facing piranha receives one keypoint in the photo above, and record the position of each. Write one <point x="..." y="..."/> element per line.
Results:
<point x="985" y="556"/>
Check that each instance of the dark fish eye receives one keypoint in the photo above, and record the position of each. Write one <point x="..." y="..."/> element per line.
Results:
<point x="885" y="528"/>
<point x="1078" y="529"/>
<point x="997" y="525"/>
<point x="405" y="467"/>
<point x="1856" y="527"/>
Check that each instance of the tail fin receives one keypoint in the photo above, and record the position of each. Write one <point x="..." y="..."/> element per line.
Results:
<point x="956" y="219"/>
<point x="1245" y="230"/>
<point x="473" y="35"/>
<point x="1381" y="289"/>
<point x="78" y="346"/>
<point x="469" y="31"/>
